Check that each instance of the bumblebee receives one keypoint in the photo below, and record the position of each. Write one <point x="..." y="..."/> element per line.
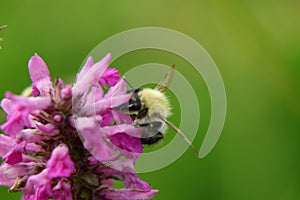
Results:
<point x="150" y="109"/>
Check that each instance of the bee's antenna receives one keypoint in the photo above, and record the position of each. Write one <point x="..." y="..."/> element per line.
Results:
<point x="181" y="134"/>
<point x="128" y="83"/>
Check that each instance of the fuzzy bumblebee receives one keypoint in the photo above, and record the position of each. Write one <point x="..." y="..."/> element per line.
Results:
<point x="150" y="109"/>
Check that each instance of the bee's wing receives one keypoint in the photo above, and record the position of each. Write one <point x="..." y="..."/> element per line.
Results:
<point x="165" y="82"/>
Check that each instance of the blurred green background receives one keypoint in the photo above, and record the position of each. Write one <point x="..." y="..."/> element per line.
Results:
<point x="256" y="46"/>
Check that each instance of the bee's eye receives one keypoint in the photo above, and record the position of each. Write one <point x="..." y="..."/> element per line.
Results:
<point x="137" y="90"/>
<point x="134" y="104"/>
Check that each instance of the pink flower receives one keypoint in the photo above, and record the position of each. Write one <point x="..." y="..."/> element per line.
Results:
<point x="110" y="77"/>
<point x="60" y="163"/>
<point x="38" y="187"/>
<point x="62" y="191"/>
<point x="40" y="76"/>
<point x="93" y="140"/>
<point x="68" y="141"/>
<point x="19" y="110"/>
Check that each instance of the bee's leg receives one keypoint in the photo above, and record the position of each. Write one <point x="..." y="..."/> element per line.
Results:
<point x="143" y="113"/>
<point x="153" y="139"/>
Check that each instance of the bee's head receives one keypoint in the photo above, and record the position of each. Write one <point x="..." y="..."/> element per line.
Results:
<point x="134" y="103"/>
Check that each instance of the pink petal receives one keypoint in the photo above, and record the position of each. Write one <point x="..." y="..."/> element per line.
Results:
<point x="128" y="194"/>
<point x="122" y="166"/>
<point x="51" y="129"/>
<point x="40" y="76"/>
<point x="60" y="163"/>
<point x="62" y="191"/>
<point x="108" y="183"/>
<point x="103" y="105"/>
<point x="127" y="143"/>
<point x="88" y="64"/>
<point x="121" y="118"/>
<point x="7" y="106"/>
<point x="90" y="76"/>
<point x="38" y="186"/>
<point x="93" y="140"/>
<point x="111" y="76"/>
<point x="14" y="123"/>
<point x="66" y="93"/>
<point x="20" y="108"/>
<point x="29" y="135"/>
<point x="122" y="128"/>
<point x="106" y="119"/>
<point x="31" y="103"/>
<point x="118" y="89"/>
<point x="131" y="179"/>
<point x="95" y="95"/>
<point x="6" y="143"/>
<point x="31" y="148"/>
<point x="12" y="172"/>
<point x="4" y="180"/>
<point x="13" y="157"/>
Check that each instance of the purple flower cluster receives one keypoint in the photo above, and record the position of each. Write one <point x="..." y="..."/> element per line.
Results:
<point x="68" y="142"/>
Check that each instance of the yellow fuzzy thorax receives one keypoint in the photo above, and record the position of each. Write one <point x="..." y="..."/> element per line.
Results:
<point x="155" y="101"/>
